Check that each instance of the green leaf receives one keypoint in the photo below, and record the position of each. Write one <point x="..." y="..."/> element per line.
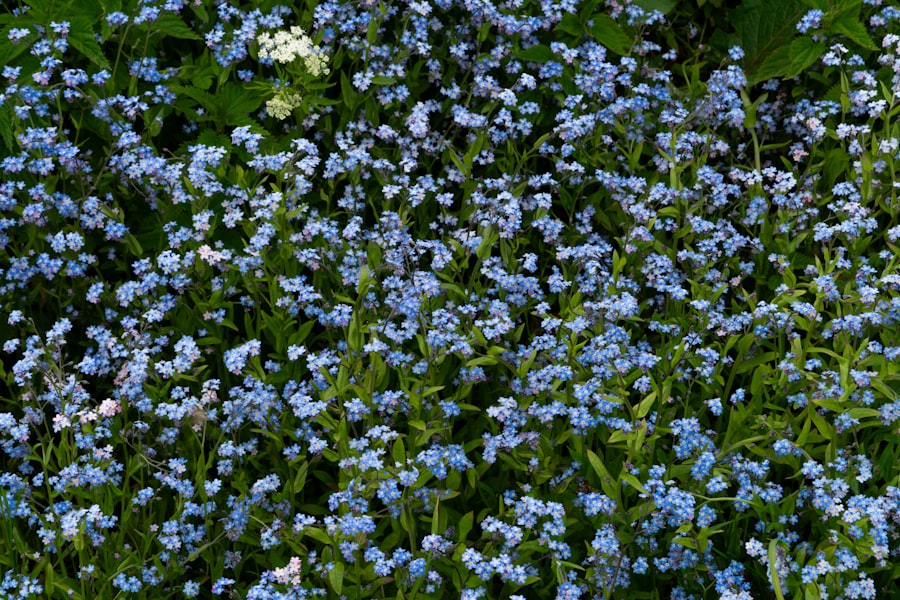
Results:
<point x="454" y="157"/>
<point x="8" y="50"/>
<point x="372" y="31"/>
<point x="336" y="577"/>
<point x="133" y="245"/>
<point x="765" y="28"/>
<point x="235" y="102"/>
<point x="775" y="66"/>
<point x="538" y="53"/>
<point x="6" y="126"/>
<point x="171" y="25"/>
<point x="663" y="6"/>
<point x="484" y="31"/>
<point x="633" y="482"/>
<point x="81" y="36"/>
<point x="109" y="6"/>
<point x="837" y="160"/>
<point x="608" y="33"/>
<point x="465" y="526"/>
<point x="300" y="478"/>
<point x="848" y="26"/>
<point x="435" y="517"/>
<point x="347" y="92"/>
<point x="481" y="360"/>
<point x="804" y="53"/>
<point x="773" y="570"/>
<point x="645" y="405"/>
<point x="606" y="481"/>
<point x="571" y="25"/>
<point x="398" y="452"/>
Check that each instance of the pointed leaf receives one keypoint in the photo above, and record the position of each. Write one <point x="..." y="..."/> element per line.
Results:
<point x="81" y="37"/>
<point x="764" y="27"/>
<point x="804" y="53"/>
<point x="538" y="53"/>
<point x="608" y="33"/>
<point x="171" y="25"/>
<point x="853" y="30"/>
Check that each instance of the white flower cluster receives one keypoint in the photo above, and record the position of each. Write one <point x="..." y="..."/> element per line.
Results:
<point x="285" y="46"/>
<point x="280" y="106"/>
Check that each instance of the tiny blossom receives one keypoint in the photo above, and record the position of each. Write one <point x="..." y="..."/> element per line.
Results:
<point x="811" y="20"/>
<point x="736" y="53"/>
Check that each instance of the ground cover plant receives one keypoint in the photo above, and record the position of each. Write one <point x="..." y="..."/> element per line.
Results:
<point x="358" y="299"/>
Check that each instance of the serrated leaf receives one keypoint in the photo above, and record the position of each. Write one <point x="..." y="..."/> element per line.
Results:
<point x="234" y="103"/>
<point x="775" y="66"/>
<point x="171" y="25"/>
<point x="8" y="50"/>
<point x="762" y="28"/>
<point x="804" y="52"/>
<point x="608" y="33"/>
<point x="81" y="37"/>
<point x="853" y="30"/>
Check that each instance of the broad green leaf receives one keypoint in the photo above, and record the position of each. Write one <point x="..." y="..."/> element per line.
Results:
<point x="776" y="65"/>
<point x="765" y="28"/>
<point x="6" y="126"/>
<point x="804" y="53"/>
<point x="609" y="34"/>
<point x="336" y="577"/>
<point x="663" y="6"/>
<point x="570" y="24"/>
<point x="848" y="26"/>
<point x="235" y="102"/>
<point x="171" y="25"/>
<point x="8" y="50"/>
<point x="538" y="53"/>
<point x="81" y="37"/>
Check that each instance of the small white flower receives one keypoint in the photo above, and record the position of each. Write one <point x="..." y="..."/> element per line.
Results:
<point x="285" y="46"/>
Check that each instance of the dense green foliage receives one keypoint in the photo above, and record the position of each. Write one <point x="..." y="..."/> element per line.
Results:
<point x="449" y="299"/>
